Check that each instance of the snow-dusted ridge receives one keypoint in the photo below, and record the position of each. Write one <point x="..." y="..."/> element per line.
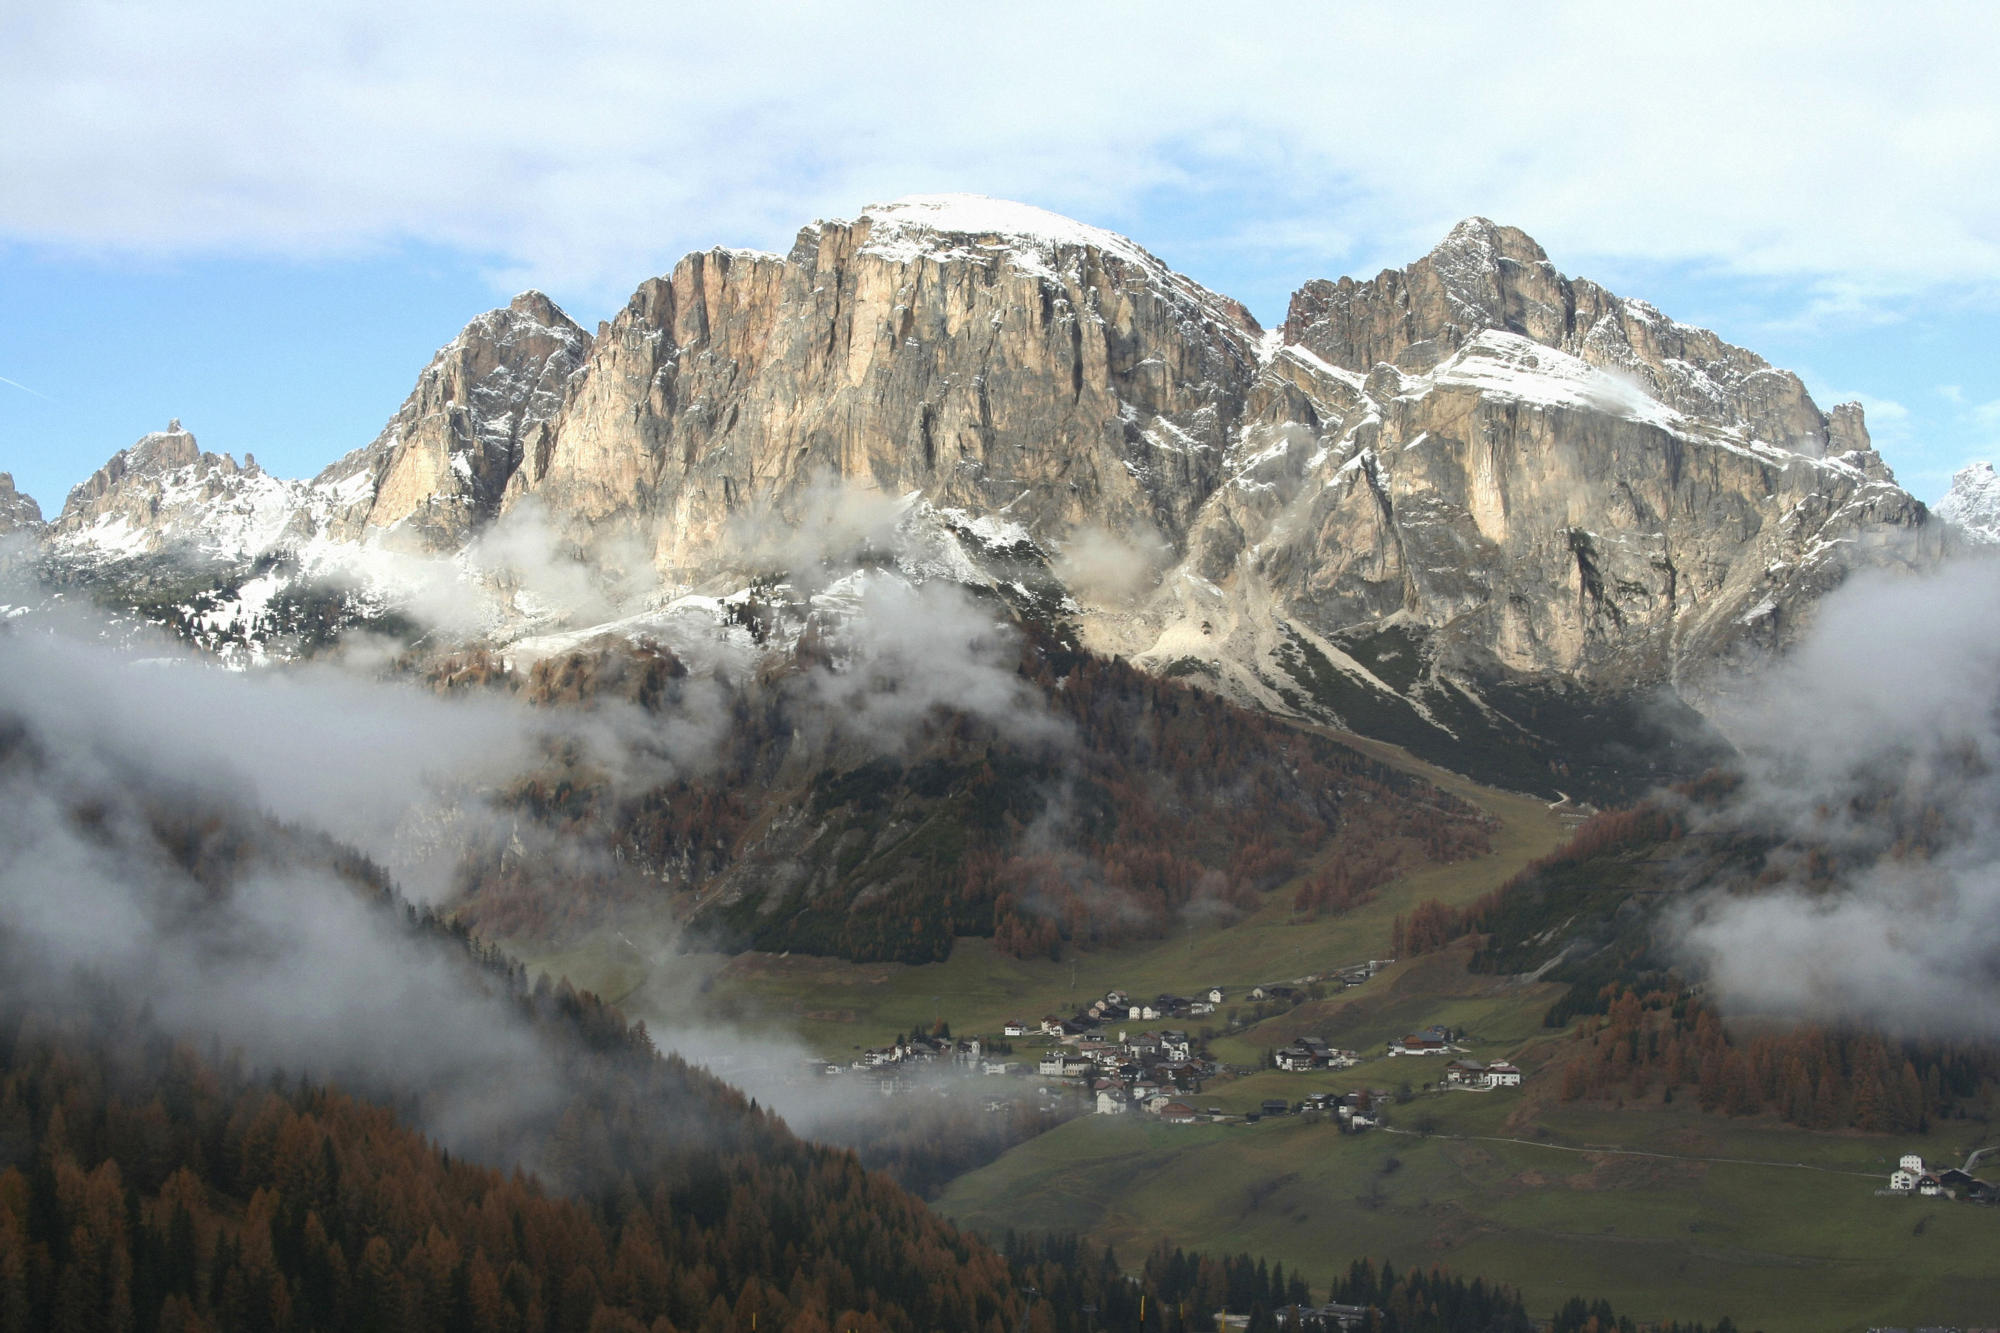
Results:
<point x="945" y="227"/>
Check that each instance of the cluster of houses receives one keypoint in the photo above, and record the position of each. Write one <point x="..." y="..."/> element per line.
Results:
<point x="1355" y="1110"/>
<point x="1129" y="1072"/>
<point x="1308" y="1053"/>
<point x="1119" y="1007"/>
<point x="1911" y="1176"/>
<point x="893" y="1067"/>
<point x="1471" y="1074"/>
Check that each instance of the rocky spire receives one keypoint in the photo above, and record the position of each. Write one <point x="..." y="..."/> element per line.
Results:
<point x="442" y="463"/>
<point x="18" y="512"/>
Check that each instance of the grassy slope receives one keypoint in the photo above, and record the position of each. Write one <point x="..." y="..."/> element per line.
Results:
<point x="1781" y="1248"/>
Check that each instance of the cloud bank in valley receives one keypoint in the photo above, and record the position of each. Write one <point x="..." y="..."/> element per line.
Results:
<point x="1877" y="740"/>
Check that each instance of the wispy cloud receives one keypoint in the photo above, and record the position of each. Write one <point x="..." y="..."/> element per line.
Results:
<point x="338" y="128"/>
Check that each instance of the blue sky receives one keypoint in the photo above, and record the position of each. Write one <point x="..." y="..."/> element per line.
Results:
<point x="264" y="222"/>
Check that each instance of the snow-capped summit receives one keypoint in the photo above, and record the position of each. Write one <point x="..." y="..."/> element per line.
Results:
<point x="1973" y="504"/>
<point x="979" y="228"/>
<point x="919" y="220"/>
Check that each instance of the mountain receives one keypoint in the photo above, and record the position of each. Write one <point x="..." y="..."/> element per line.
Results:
<point x="1972" y="507"/>
<point x="1501" y="516"/>
<point x="18" y="512"/>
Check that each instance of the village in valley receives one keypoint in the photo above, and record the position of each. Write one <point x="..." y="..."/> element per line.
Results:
<point x="1101" y="1058"/>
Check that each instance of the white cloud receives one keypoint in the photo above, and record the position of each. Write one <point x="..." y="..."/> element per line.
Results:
<point x="588" y="146"/>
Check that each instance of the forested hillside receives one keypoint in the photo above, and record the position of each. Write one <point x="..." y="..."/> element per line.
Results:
<point x="1606" y="914"/>
<point x="1133" y="803"/>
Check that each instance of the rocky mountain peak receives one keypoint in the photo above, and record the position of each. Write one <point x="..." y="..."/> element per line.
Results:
<point x="1973" y="504"/>
<point x="164" y="490"/>
<point x="442" y="463"/>
<point x="18" y="512"/>
<point x="1487" y="277"/>
<point x="150" y="457"/>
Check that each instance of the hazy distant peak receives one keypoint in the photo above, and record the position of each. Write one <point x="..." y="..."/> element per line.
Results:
<point x="1973" y="504"/>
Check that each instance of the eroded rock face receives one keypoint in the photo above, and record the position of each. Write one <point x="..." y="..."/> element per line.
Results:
<point x="164" y="492"/>
<point x="1485" y="277"/>
<point x="428" y="482"/>
<point x="18" y="512"/>
<point x="439" y="468"/>
<point x="991" y="356"/>
<point x="1528" y="473"/>
<point x="1972" y="508"/>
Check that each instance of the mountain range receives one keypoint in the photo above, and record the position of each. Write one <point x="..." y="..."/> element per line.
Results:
<point x="1498" y="515"/>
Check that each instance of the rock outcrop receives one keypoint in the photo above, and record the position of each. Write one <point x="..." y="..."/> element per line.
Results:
<point x="18" y="512"/>
<point x="433" y="476"/>
<point x="165" y="493"/>
<point x="1972" y="507"/>
<point x="994" y="357"/>
<point x="439" y="468"/>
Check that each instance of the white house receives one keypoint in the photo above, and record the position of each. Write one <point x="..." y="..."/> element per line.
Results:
<point x="1051" y="1065"/>
<point x="1215" y="995"/>
<point x="1110" y="1103"/>
<point x="1903" y="1180"/>
<point x="1013" y="1027"/>
<point x="1503" y="1075"/>
<point x="1912" y="1163"/>
<point x="1929" y="1185"/>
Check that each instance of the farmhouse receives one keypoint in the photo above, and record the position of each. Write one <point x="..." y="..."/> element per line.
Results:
<point x="1431" y="1041"/>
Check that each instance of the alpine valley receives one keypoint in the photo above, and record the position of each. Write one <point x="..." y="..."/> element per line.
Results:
<point x="959" y="677"/>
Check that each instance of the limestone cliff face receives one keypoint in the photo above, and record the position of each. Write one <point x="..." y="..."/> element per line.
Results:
<point x="18" y="512"/>
<point x="439" y="468"/>
<point x="993" y="357"/>
<point x="1525" y="471"/>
